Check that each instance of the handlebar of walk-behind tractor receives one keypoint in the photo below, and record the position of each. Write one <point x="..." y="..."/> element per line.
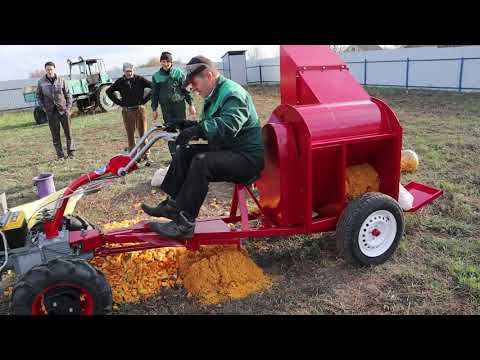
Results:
<point x="137" y="153"/>
<point x="116" y="167"/>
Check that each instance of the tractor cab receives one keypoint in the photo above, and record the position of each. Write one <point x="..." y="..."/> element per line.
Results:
<point x="92" y="70"/>
<point x="88" y="81"/>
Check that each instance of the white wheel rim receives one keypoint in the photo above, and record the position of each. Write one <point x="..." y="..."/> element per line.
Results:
<point x="377" y="233"/>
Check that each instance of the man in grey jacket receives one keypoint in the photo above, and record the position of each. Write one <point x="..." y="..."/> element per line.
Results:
<point x="55" y="98"/>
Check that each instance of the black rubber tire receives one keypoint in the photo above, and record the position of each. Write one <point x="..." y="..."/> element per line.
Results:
<point x="81" y="106"/>
<point x="351" y="220"/>
<point x="77" y="271"/>
<point x="39" y="115"/>
<point x="103" y="101"/>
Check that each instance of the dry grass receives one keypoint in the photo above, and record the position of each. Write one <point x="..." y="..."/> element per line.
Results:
<point x="434" y="271"/>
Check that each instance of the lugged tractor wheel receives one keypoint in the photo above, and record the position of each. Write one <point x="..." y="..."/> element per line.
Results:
<point x="62" y="287"/>
<point x="39" y="115"/>
<point x="369" y="229"/>
<point x="103" y="101"/>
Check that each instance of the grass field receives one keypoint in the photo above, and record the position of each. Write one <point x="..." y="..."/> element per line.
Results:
<point x="436" y="269"/>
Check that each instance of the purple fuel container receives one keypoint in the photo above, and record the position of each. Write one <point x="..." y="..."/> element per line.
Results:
<point x="45" y="185"/>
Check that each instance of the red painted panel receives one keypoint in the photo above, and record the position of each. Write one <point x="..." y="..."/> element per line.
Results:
<point x="422" y="194"/>
<point x="314" y="74"/>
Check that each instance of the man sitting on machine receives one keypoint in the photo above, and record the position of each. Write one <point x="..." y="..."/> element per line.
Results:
<point x="234" y="152"/>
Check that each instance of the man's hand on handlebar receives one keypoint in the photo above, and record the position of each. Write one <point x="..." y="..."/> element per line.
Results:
<point x="191" y="133"/>
<point x="186" y="124"/>
<point x="180" y="125"/>
<point x="171" y="128"/>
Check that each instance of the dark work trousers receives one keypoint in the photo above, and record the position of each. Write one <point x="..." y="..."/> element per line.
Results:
<point x="173" y="113"/>
<point x="194" y="167"/>
<point x="56" y="119"/>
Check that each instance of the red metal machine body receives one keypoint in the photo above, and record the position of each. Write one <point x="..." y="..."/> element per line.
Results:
<point x="326" y="122"/>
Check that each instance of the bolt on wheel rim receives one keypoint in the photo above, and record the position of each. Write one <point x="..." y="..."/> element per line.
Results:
<point x="38" y="306"/>
<point x="377" y="233"/>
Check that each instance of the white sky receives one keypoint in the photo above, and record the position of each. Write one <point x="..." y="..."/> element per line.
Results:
<point x="19" y="60"/>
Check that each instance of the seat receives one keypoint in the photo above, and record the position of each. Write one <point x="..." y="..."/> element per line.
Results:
<point x="249" y="182"/>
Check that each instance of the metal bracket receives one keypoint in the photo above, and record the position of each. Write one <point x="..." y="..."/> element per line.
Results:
<point x="322" y="68"/>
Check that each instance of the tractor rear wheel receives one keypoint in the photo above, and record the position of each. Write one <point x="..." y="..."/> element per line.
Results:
<point x="39" y="115"/>
<point x="369" y="229"/>
<point x="82" y="105"/>
<point x="103" y="101"/>
<point x="62" y="287"/>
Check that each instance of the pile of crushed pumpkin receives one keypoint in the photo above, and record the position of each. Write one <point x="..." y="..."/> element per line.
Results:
<point x="363" y="178"/>
<point x="213" y="274"/>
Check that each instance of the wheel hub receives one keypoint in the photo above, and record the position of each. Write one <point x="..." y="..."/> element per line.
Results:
<point x="63" y="301"/>
<point x="377" y="233"/>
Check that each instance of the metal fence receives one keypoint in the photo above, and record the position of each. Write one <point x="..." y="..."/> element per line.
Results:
<point x="262" y="75"/>
<point x="408" y="84"/>
<point x="256" y="74"/>
<point x="459" y="75"/>
<point x="11" y="98"/>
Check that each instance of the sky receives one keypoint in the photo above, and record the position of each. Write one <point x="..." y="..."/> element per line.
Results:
<point x="18" y="61"/>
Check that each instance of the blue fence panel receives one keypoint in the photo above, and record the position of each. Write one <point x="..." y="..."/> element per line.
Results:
<point x="427" y="74"/>
<point x="456" y="73"/>
<point x="253" y="74"/>
<point x="387" y="73"/>
<point x="471" y="74"/>
<point x="357" y="70"/>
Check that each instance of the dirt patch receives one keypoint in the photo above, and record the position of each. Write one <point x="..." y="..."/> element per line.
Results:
<point x="307" y="275"/>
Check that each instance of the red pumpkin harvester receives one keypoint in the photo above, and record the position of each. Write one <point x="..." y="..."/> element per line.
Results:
<point x="326" y="122"/>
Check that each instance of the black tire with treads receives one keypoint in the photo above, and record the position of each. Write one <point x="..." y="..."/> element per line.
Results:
<point x="39" y="115"/>
<point x="77" y="271"/>
<point x="351" y="220"/>
<point x="103" y="101"/>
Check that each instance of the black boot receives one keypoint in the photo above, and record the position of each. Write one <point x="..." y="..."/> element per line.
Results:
<point x="182" y="228"/>
<point x="166" y="209"/>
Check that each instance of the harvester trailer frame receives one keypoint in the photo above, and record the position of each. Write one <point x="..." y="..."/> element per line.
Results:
<point x="325" y="123"/>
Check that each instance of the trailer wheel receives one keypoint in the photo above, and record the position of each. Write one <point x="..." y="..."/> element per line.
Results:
<point x="39" y="115"/>
<point x="62" y="287"/>
<point x="104" y="101"/>
<point x="369" y="229"/>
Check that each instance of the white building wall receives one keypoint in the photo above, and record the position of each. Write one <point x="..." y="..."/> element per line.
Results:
<point x="238" y="70"/>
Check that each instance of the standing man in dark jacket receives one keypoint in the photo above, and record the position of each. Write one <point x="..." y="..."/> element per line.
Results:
<point x="167" y="90"/>
<point x="54" y="96"/>
<point x="132" y="91"/>
<point x="234" y="152"/>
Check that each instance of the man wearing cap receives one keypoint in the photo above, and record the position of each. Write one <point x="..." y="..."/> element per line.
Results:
<point x="167" y="90"/>
<point x="133" y="96"/>
<point x="234" y="152"/>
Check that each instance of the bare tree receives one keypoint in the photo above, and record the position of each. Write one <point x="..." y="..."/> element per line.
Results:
<point x="154" y="61"/>
<point x="255" y="53"/>
<point x="276" y="52"/>
<point x="38" y="73"/>
<point x="338" y="48"/>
